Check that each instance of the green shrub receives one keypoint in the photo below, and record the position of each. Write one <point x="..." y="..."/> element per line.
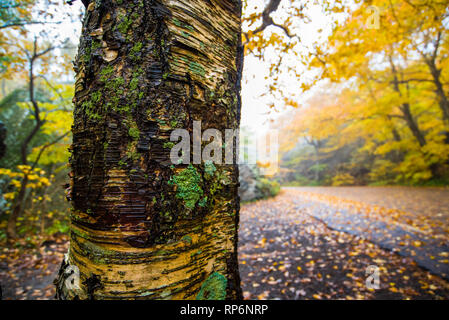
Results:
<point x="268" y="188"/>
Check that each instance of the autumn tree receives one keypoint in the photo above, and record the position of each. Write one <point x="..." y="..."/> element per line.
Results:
<point x="35" y="107"/>
<point x="32" y="64"/>
<point x="142" y="226"/>
<point x="16" y="18"/>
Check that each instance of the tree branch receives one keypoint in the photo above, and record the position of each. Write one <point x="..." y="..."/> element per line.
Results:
<point x="46" y="146"/>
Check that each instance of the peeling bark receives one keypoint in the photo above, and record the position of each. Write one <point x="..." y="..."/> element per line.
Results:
<point x="143" y="228"/>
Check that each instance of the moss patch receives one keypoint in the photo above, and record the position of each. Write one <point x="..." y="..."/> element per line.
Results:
<point x="209" y="169"/>
<point x="134" y="133"/>
<point x="168" y="145"/>
<point x="135" y="51"/>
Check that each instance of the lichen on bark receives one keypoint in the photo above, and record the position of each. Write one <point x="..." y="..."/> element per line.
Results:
<point x="213" y="288"/>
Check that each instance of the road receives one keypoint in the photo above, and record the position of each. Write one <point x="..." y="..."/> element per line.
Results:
<point x="318" y="243"/>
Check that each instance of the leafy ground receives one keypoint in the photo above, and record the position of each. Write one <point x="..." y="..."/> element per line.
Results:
<point x="307" y="243"/>
<point x="290" y="248"/>
<point x="29" y="273"/>
<point x="413" y="222"/>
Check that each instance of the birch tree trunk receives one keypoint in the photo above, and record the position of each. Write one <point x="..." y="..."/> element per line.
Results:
<point x="142" y="227"/>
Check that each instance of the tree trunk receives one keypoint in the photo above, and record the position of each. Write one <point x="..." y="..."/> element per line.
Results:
<point x="439" y="90"/>
<point x="412" y="124"/>
<point x="142" y="227"/>
<point x="20" y="200"/>
<point x="317" y="163"/>
<point x="17" y="209"/>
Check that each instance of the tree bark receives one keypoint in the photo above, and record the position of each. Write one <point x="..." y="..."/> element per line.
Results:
<point x="412" y="124"/>
<point x="439" y="90"/>
<point x="142" y="227"/>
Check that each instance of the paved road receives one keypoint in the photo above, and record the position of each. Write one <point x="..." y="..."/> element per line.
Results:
<point x="414" y="222"/>
<point x="432" y="202"/>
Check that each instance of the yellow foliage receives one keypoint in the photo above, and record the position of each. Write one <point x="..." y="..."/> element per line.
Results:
<point x="36" y="179"/>
<point x="386" y="92"/>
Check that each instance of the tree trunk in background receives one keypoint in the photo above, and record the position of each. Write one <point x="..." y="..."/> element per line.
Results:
<point x="439" y="89"/>
<point x="143" y="228"/>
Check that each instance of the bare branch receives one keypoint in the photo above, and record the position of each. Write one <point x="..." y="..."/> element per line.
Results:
<point x="46" y="146"/>
<point x="268" y="21"/>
